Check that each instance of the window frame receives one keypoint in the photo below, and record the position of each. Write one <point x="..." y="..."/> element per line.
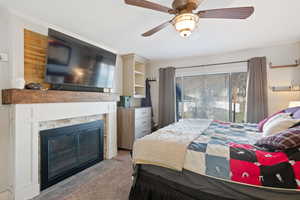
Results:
<point x="230" y="91"/>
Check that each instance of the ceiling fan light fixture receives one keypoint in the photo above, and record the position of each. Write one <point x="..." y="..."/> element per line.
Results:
<point x="186" y="23"/>
<point x="185" y="33"/>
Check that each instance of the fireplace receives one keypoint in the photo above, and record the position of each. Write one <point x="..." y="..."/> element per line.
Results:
<point x="68" y="150"/>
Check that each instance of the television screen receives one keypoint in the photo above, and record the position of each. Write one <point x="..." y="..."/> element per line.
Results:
<point x="74" y="62"/>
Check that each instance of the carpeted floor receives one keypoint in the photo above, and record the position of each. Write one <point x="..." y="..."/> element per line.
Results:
<point x="108" y="180"/>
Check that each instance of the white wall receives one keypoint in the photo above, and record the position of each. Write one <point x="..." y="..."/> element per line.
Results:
<point x="5" y="154"/>
<point x="4" y="48"/>
<point x="4" y="110"/>
<point x="278" y="55"/>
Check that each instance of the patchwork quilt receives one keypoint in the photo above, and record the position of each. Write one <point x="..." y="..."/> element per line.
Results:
<point x="227" y="151"/>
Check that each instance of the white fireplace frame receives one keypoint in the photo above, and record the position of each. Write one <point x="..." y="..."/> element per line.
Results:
<point x="25" y="120"/>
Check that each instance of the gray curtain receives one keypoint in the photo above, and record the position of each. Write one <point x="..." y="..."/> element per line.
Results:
<point x="166" y="112"/>
<point x="257" y="90"/>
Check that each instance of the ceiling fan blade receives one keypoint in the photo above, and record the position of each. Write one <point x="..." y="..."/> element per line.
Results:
<point x="156" y="29"/>
<point x="149" y="5"/>
<point x="227" y="13"/>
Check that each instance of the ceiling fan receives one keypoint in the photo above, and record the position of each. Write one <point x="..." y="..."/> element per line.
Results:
<point x="186" y="19"/>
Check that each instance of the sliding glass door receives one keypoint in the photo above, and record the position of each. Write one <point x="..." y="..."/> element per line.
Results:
<point x="213" y="96"/>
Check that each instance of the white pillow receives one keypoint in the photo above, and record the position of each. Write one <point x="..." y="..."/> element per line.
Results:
<point x="277" y="117"/>
<point x="278" y="125"/>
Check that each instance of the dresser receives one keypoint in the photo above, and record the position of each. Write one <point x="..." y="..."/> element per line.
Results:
<point x="133" y="123"/>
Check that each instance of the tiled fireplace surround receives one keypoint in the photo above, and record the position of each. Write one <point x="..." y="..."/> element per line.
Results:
<point x="29" y="120"/>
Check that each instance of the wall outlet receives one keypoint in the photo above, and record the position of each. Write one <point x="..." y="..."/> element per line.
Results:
<point x="3" y="57"/>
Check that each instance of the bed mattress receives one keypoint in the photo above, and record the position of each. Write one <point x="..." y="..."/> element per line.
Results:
<point x="226" y="152"/>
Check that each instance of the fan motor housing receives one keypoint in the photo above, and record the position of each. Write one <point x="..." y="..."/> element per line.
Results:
<point x="186" y="4"/>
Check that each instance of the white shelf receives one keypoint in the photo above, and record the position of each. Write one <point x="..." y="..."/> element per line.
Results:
<point x="139" y="86"/>
<point x="138" y="96"/>
<point x="139" y="73"/>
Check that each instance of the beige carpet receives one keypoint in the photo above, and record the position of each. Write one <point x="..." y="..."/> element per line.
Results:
<point x="108" y="180"/>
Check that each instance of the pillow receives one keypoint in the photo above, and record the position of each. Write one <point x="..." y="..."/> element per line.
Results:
<point x="292" y="110"/>
<point x="262" y="123"/>
<point x="296" y="115"/>
<point x="286" y="139"/>
<point x="277" y="117"/>
<point x="278" y="125"/>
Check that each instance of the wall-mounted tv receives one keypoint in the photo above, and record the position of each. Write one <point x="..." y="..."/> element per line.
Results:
<point x="74" y="62"/>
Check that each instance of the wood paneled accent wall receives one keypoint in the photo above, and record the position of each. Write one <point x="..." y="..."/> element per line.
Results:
<point x="35" y="55"/>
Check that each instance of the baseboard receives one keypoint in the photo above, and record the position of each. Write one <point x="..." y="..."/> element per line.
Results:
<point x="27" y="192"/>
<point x="6" y="195"/>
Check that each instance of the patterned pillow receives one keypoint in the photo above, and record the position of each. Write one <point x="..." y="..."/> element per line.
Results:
<point x="286" y="139"/>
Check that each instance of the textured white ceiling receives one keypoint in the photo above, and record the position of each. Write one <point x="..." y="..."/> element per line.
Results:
<point x="120" y="26"/>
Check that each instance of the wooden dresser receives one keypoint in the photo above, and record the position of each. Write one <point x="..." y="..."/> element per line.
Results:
<point x="133" y="123"/>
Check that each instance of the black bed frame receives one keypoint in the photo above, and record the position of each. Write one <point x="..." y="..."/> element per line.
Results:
<point x="147" y="186"/>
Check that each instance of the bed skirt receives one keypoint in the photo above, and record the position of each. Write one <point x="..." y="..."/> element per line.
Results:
<point x="148" y="186"/>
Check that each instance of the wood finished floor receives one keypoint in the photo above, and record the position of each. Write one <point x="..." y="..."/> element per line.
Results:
<point x="108" y="180"/>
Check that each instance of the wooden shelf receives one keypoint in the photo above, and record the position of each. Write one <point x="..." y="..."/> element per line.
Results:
<point x="285" y="89"/>
<point x="18" y="96"/>
<point x="284" y="66"/>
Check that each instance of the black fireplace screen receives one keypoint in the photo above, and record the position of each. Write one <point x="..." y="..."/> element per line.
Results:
<point x="69" y="150"/>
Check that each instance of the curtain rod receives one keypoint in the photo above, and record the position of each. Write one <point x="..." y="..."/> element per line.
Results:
<point x="208" y="65"/>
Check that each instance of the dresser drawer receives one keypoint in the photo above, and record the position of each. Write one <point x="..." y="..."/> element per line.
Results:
<point x="139" y="133"/>
<point x="142" y="113"/>
<point x="143" y="122"/>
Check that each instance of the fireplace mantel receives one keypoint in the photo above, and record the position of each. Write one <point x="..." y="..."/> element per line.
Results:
<point x="25" y="125"/>
<point x="19" y="96"/>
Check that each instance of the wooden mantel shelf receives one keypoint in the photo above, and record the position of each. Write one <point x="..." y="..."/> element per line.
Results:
<point x="18" y="96"/>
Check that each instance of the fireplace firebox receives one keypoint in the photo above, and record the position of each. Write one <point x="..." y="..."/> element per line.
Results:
<point x="69" y="150"/>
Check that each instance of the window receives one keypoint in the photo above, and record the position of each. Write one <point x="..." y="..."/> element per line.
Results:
<point x="213" y="96"/>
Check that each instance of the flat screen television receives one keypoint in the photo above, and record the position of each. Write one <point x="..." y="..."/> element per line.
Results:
<point x="77" y="63"/>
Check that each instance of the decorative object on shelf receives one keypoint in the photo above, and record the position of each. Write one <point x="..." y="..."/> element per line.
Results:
<point x="33" y="86"/>
<point x="285" y="88"/>
<point x="125" y="101"/>
<point x="291" y="88"/>
<point x="186" y="17"/>
<point x="294" y="104"/>
<point x="284" y="66"/>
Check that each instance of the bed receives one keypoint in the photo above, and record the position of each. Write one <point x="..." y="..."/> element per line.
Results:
<point x="208" y="159"/>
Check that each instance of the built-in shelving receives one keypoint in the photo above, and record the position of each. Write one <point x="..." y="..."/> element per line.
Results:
<point x="134" y="69"/>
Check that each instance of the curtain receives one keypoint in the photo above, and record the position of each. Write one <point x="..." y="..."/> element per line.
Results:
<point x="257" y="90"/>
<point x="166" y="112"/>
